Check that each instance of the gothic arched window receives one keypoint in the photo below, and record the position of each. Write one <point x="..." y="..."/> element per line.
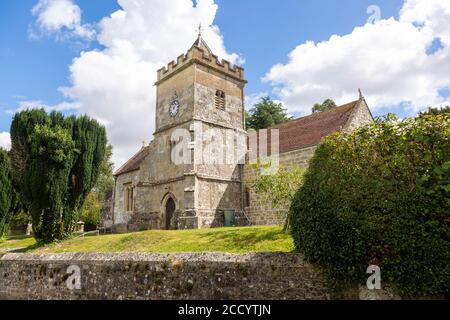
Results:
<point x="128" y="198"/>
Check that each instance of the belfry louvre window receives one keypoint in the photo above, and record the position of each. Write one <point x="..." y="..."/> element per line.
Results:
<point x="219" y="100"/>
<point x="128" y="199"/>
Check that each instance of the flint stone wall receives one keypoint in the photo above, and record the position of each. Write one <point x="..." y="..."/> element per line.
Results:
<point x="260" y="212"/>
<point x="153" y="276"/>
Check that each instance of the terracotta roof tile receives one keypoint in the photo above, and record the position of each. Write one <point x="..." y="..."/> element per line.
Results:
<point x="308" y="131"/>
<point x="135" y="162"/>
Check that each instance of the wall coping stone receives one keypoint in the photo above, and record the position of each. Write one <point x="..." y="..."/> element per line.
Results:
<point x="259" y="257"/>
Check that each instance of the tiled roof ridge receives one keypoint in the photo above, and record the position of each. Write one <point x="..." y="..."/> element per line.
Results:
<point x="316" y="114"/>
<point x="309" y="130"/>
<point x="123" y="169"/>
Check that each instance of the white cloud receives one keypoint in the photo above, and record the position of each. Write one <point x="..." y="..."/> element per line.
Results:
<point x="62" y="17"/>
<point x="433" y="15"/>
<point x="254" y="98"/>
<point x="115" y="85"/>
<point x="5" y="140"/>
<point x="388" y="60"/>
<point x="37" y="104"/>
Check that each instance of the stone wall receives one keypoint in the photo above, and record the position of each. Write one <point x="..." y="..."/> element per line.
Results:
<point x="106" y="213"/>
<point x="180" y="87"/>
<point x="205" y="110"/>
<point x="259" y="212"/>
<point x="360" y="116"/>
<point x="213" y="198"/>
<point x="120" y="215"/>
<point x="160" y="276"/>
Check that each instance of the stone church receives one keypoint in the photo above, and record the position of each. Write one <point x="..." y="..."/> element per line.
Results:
<point x="200" y="93"/>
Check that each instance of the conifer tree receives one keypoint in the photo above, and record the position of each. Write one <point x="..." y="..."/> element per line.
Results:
<point x="5" y="191"/>
<point x="56" y="163"/>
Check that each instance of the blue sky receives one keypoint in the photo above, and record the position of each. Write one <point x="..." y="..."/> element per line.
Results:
<point x="37" y="55"/>
<point x="265" y="31"/>
<point x="34" y="69"/>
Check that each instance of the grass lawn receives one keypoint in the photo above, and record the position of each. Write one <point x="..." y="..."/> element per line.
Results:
<point x="233" y="240"/>
<point x="15" y="242"/>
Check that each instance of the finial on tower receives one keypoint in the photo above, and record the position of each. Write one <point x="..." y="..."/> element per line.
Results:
<point x="200" y="42"/>
<point x="360" y="93"/>
<point x="200" y="30"/>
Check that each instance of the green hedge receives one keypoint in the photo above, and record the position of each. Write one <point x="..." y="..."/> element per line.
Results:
<point x="380" y="195"/>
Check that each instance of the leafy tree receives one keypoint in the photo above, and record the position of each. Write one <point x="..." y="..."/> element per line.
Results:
<point x="56" y="162"/>
<point x="328" y="104"/>
<point x="6" y="190"/>
<point x="279" y="189"/>
<point x="91" y="210"/>
<point x="247" y="120"/>
<point x="90" y="213"/>
<point x="435" y="111"/>
<point x="265" y="114"/>
<point x="20" y="218"/>
<point x="105" y="181"/>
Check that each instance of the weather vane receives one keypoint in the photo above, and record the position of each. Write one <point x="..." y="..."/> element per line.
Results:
<point x="200" y="29"/>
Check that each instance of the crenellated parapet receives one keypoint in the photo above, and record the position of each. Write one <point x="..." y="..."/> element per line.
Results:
<point x="200" y="55"/>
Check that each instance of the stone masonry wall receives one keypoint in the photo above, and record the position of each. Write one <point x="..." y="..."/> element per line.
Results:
<point x="361" y="116"/>
<point x="260" y="212"/>
<point x="121" y="216"/>
<point x="153" y="276"/>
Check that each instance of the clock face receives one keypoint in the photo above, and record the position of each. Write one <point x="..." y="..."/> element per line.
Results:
<point x="174" y="107"/>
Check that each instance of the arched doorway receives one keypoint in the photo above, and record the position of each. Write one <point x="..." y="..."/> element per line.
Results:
<point x="170" y="209"/>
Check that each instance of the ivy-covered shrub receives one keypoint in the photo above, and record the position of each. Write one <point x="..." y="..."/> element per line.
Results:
<point x="279" y="188"/>
<point x="380" y="196"/>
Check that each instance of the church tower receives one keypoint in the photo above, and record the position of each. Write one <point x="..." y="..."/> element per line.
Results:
<point x="199" y="117"/>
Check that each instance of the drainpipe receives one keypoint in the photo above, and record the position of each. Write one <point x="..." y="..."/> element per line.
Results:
<point x="114" y="198"/>
<point x="242" y="166"/>
<point x="242" y="188"/>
